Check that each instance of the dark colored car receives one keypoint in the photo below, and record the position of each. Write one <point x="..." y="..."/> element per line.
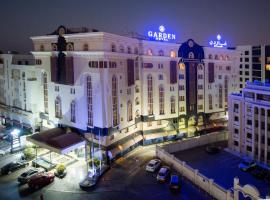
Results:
<point x="24" y="177"/>
<point x="259" y="172"/>
<point x="212" y="149"/>
<point x="163" y="174"/>
<point x="175" y="182"/>
<point x="267" y="177"/>
<point x="13" y="166"/>
<point x="40" y="180"/>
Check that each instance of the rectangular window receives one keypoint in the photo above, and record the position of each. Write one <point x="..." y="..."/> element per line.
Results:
<point x="181" y="76"/>
<point x="249" y="148"/>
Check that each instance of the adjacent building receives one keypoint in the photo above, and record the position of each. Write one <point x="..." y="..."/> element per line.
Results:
<point x="118" y="91"/>
<point x="249" y="121"/>
<point x="254" y="64"/>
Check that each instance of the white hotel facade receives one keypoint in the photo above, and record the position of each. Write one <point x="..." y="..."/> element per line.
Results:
<point x="123" y="91"/>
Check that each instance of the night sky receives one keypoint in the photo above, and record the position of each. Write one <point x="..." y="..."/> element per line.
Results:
<point x="238" y="21"/>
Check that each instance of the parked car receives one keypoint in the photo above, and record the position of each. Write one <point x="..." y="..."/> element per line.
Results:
<point x="13" y="166"/>
<point x="247" y="165"/>
<point x="175" y="182"/>
<point x="267" y="177"/>
<point x="163" y="174"/>
<point x="259" y="172"/>
<point x="212" y="149"/>
<point x="40" y="180"/>
<point x="153" y="165"/>
<point x="24" y="177"/>
<point x="2" y="153"/>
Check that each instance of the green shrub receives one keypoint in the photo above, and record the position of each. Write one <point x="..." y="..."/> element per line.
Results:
<point x="61" y="168"/>
<point x="96" y="162"/>
<point x="29" y="153"/>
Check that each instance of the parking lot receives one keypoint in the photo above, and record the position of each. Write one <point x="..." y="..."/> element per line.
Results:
<point x="126" y="179"/>
<point x="222" y="167"/>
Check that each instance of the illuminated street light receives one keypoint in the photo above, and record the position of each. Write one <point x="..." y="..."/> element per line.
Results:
<point x="15" y="132"/>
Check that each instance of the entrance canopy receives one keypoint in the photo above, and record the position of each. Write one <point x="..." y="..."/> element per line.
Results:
<point x="57" y="140"/>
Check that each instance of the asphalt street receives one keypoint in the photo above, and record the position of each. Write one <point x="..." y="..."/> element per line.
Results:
<point x="127" y="179"/>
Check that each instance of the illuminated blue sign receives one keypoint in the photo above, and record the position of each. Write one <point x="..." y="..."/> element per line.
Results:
<point x="161" y="35"/>
<point x="218" y="43"/>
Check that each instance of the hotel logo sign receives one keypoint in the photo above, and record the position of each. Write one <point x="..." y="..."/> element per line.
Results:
<point x="217" y="43"/>
<point x="161" y="35"/>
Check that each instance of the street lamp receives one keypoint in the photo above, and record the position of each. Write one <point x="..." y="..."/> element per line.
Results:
<point x="15" y="133"/>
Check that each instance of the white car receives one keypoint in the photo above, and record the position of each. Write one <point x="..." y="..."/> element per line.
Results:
<point x="153" y="165"/>
<point x="163" y="174"/>
<point x="25" y="177"/>
<point x="2" y="153"/>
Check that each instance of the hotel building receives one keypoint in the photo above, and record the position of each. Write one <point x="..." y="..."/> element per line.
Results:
<point x="118" y="91"/>
<point x="249" y="122"/>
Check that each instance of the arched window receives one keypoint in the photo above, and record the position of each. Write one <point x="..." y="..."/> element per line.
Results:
<point x="149" y="52"/>
<point x="85" y="47"/>
<point x="137" y="101"/>
<point x="129" y="111"/>
<point x="113" y="48"/>
<point x="58" y="107"/>
<point x="216" y="57"/>
<point x="172" y="104"/>
<point x="220" y="99"/>
<point x="210" y="56"/>
<point x="161" y="100"/>
<point x="129" y="50"/>
<point x="54" y="47"/>
<point x="173" y="54"/>
<point x="210" y="102"/>
<point x="121" y="49"/>
<point x="191" y="55"/>
<point x="115" y="100"/>
<point x="89" y="101"/>
<point x="161" y="53"/>
<point x="45" y="92"/>
<point x="136" y="51"/>
<point x="70" y="47"/>
<point x="150" y="94"/>
<point x="41" y="48"/>
<point x="221" y="57"/>
<point x="73" y="111"/>
<point x="137" y="113"/>
<point x="226" y="88"/>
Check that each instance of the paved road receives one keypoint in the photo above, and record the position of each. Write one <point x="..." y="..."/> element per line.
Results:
<point x="127" y="179"/>
<point x="222" y="167"/>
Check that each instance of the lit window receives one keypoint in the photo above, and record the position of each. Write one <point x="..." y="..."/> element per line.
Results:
<point x="115" y="101"/>
<point x="129" y="111"/>
<point x="149" y="52"/>
<point x="161" y="100"/>
<point x="173" y="54"/>
<point x="89" y="101"/>
<point x="150" y="94"/>
<point x="172" y="105"/>
<point x="268" y="67"/>
<point x="182" y="66"/>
